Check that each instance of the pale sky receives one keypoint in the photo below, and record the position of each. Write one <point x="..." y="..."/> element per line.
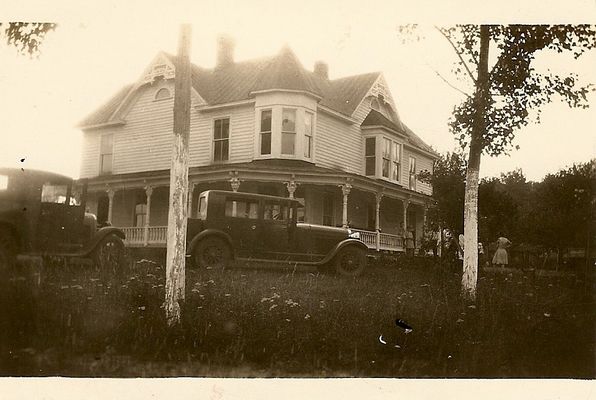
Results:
<point x="100" y="47"/>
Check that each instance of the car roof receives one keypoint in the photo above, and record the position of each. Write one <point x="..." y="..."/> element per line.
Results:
<point x="36" y="175"/>
<point x="254" y="196"/>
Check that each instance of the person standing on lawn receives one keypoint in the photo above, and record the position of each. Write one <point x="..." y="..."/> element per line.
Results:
<point x="500" y="258"/>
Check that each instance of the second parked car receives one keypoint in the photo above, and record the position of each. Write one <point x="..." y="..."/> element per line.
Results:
<point x="246" y="226"/>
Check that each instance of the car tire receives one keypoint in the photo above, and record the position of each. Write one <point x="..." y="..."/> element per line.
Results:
<point x="212" y="252"/>
<point x="108" y="256"/>
<point x="8" y="253"/>
<point x="350" y="261"/>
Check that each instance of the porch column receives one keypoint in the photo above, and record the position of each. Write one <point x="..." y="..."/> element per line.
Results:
<point x="111" y="193"/>
<point x="190" y="194"/>
<point x="234" y="181"/>
<point x="345" y="191"/>
<point x="378" y="198"/>
<point x="291" y="186"/>
<point x="148" y="193"/>
<point x="406" y="204"/>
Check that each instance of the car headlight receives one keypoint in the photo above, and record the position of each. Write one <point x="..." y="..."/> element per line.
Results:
<point x="354" y="235"/>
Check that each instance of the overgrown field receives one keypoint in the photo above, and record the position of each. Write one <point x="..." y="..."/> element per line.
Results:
<point x="67" y="321"/>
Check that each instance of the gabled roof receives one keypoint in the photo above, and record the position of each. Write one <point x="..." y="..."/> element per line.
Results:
<point x="105" y="111"/>
<point x="375" y="118"/>
<point x="238" y="81"/>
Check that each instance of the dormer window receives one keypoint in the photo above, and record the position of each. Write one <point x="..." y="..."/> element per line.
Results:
<point x="382" y="158"/>
<point x="162" y="94"/>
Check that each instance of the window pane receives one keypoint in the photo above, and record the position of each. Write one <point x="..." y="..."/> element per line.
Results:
<point x="287" y="143"/>
<point x="370" y="147"/>
<point x="288" y="122"/>
<point x="395" y="152"/>
<point x="106" y="163"/>
<point x="386" y="148"/>
<point x="395" y="172"/>
<point x="308" y="124"/>
<point x="107" y="143"/>
<point x="217" y="151"/>
<point x="386" y="168"/>
<point x="225" y="144"/>
<point x="266" y="121"/>
<point x="412" y="165"/>
<point x="225" y="128"/>
<point x="162" y="93"/>
<point x="307" y="146"/>
<point x="217" y="129"/>
<point x="265" y="143"/>
<point x="370" y="166"/>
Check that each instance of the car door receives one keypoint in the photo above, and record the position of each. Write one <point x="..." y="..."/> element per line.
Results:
<point x="241" y="217"/>
<point x="60" y="219"/>
<point x="274" y="233"/>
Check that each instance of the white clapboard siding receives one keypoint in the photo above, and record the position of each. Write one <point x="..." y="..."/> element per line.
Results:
<point x="338" y="144"/>
<point x="242" y="121"/>
<point x="90" y="155"/>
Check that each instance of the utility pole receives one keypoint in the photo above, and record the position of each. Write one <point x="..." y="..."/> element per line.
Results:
<point x="176" y="240"/>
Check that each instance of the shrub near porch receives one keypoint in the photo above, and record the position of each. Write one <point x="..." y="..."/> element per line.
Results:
<point x="249" y="322"/>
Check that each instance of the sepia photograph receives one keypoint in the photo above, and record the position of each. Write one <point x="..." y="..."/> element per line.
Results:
<point x="300" y="190"/>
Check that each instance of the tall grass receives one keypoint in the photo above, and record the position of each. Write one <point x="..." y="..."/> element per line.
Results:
<point x="62" y="320"/>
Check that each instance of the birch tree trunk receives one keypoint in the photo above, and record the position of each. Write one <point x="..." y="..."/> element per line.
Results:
<point x="470" y="266"/>
<point x="177" y="215"/>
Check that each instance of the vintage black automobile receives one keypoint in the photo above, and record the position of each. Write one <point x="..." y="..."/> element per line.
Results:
<point x="246" y="226"/>
<point x="42" y="214"/>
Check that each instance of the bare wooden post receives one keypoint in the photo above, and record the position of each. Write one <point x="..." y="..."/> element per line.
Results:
<point x="176" y="240"/>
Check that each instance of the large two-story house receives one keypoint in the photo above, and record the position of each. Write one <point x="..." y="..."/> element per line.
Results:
<point x="267" y="126"/>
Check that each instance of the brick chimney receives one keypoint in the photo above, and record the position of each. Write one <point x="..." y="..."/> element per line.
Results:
<point x="225" y="51"/>
<point x="321" y="69"/>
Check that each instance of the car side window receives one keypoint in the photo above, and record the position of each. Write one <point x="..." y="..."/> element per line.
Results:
<point x="53" y="193"/>
<point x="241" y="209"/>
<point x="275" y="212"/>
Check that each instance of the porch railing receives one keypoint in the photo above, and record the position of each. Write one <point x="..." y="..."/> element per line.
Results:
<point x="155" y="236"/>
<point x="381" y="241"/>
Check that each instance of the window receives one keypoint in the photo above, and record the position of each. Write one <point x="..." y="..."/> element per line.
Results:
<point x="53" y="193"/>
<point x="275" y="212"/>
<point x="369" y="156"/>
<point x="203" y="207"/>
<point x="241" y="209"/>
<point x="328" y="209"/>
<point x="162" y="94"/>
<point x="3" y="182"/>
<point x="412" y="170"/>
<point x="386" y="157"/>
<point x="308" y="119"/>
<point x="395" y="161"/>
<point x="140" y="214"/>
<point x="221" y="139"/>
<point x="265" y="132"/>
<point x="288" y="131"/>
<point x="374" y="104"/>
<point x="106" y="153"/>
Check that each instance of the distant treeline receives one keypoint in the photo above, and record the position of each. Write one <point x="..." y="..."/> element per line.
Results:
<point x="556" y="213"/>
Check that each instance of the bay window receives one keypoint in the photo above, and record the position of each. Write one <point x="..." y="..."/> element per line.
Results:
<point x="386" y="158"/>
<point x="370" y="157"/>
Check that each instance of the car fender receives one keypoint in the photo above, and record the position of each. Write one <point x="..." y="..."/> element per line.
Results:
<point x="341" y="245"/>
<point x="208" y="232"/>
<point x="101" y="234"/>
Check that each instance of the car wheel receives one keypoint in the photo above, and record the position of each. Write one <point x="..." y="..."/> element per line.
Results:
<point x="350" y="261"/>
<point x="108" y="256"/>
<point x="212" y="252"/>
<point x="8" y="254"/>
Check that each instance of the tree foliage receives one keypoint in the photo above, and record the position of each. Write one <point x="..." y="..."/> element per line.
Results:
<point x="516" y="89"/>
<point x="26" y="37"/>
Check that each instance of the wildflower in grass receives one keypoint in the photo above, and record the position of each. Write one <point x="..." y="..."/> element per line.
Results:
<point x="227" y="294"/>
<point x="291" y="303"/>
<point x="307" y="316"/>
<point x="459" y="320"/>
<point x="272" y="307"/>
<point x="195" y="290"/>
<point x="142" y="308"/>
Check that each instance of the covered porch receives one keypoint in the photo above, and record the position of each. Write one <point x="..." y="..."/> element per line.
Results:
<point x="378" y="210"/>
